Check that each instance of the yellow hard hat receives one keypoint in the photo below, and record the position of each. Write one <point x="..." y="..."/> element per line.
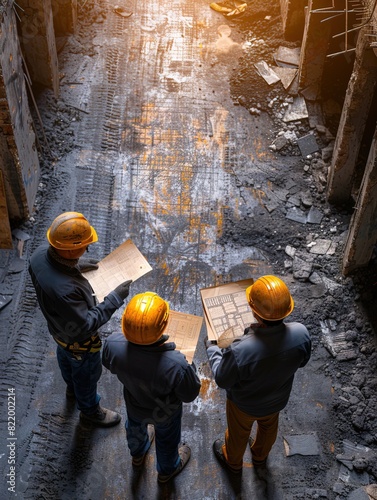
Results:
<point x="270" y="298"/>
<point x="70" y="231"/>
<point x="145" y="318"/>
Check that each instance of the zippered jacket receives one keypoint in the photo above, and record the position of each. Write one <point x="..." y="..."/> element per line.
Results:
<point x="67" y="300"/>
<point x="156" y="378"/>
<point x="258" y="370"/>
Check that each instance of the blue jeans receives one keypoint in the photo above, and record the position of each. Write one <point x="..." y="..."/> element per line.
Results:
<point x="81" y="377"/>
<point x="168" y="437"/>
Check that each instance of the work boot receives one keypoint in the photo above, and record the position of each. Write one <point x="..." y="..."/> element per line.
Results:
<point x="138" y="461"/>
<point x="218" y="451"/>
<point x="102" y="417"/>
<point x="184" y="454"/>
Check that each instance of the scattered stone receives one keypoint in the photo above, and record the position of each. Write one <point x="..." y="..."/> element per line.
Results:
<point x="301" y="444"/>
<point x="315" y="216"/>
<point x="323" y="247"/>
<point x="296" y="214"/>
<point x="307" y="144"/>
<point x="254" y="111"/>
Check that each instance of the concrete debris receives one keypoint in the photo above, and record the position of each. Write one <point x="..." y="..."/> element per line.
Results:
<point x="302" y="266"/>
<point x="355" y="456"/>
<point x="315" y="215"/>
<point x="323" y="247"/>
<point x="290" y="251"/>
<point x="301" y="444"/>
<point x="307" y="144"/>
<point x="296" y="214"/>
<point x="287" y="57"/>
<point x="335" y="342"/>
<point x="286" y="75"/>
<point x="297" y="110"/>
<point x="306" y="199"/>
<point x="254" y="111"/>
<point x="352" y="477"/>
<point x="267" y="73"/>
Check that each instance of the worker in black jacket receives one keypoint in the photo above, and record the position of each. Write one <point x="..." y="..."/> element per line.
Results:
<point x="257" y="372"/>
<point x="156" y="380"/>
<point x="73" y="315"/>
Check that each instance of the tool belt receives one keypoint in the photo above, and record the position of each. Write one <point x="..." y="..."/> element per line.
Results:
<point x="76" y="348"/>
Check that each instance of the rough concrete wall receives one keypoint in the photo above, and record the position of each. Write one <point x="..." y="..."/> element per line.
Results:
<point x="18" y="156"/>
<point x="65" y="16"/>
<point x="356" y="108"/>
<point x="362" y="235"/>
<point x="293" y="18"/>
<point x="313" y="51"/>
<point x="37" y="38"/>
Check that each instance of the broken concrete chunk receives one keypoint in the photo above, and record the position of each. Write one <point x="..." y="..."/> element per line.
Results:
<point x="302" y="268"/>
<point x="296" y="214"/>
<point x="301" y="444"/>
<point x="286" y="75"/>
<point x="280" y="142"/>
<point x="307" y="144"/>
<point x="315" y="216"/>
<point x="287" y="57"/>
<point x="306" y="199"/>
<point x="297" y="110"/>
<point x="290" y="251"/>
<point x="266" y="72"/>
<point x="323" y="247"/>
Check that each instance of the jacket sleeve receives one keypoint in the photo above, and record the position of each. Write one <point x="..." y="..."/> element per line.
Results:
<point x="189" y="386"/>
<point x="80" y="318"/>
<point x="223" y="366"/>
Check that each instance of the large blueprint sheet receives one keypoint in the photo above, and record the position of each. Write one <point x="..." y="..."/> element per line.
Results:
<point x="184" y="330"/>
<point x="226" y="309"/>
<point x="124" y="263"/>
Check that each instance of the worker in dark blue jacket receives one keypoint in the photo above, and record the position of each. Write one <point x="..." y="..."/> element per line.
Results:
<point x="257" y="372"/>
<point x="156" y="380"/>
<point x="73" y="315"/>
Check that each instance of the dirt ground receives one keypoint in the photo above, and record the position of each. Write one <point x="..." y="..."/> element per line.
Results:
<point x="339" y="312"/>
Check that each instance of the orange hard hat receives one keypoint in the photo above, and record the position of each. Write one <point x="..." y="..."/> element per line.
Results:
<point x="270" y="298"/>
<point x="70" y="231"/>
<point x="145" y="318"/>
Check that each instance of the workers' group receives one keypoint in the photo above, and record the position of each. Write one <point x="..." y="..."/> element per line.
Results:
<point x="256" y="370"/>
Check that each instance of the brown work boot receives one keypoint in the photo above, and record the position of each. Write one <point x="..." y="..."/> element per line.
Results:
<point x="102" y="417"/>
<point x="184" y="454"/>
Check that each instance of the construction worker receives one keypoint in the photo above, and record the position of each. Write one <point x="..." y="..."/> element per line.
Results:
<point x="72" y="313"/>
<point x="257" y="371"/>
<point x="156" y="380"/>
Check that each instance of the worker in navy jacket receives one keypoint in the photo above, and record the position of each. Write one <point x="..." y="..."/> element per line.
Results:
<point x="156" y="380"/>
<point x="72" y="312"/>
<point x="257" y="372"/>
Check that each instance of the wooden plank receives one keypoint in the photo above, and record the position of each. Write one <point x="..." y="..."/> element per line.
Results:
<point x="5" y="231"/>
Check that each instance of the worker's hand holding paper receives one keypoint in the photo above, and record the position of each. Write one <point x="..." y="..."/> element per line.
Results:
<point x="124" y="263"/>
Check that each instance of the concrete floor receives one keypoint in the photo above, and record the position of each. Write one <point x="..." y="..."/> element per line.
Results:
<point x="156" y="153"/>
